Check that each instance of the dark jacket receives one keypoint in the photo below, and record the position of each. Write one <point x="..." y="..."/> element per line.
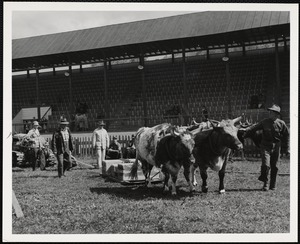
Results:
<point x="58" y="145"/>
<point x="273" y="131"/>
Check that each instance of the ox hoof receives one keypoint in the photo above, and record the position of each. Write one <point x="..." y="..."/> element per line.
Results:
<point x="205" y="189"/>
<point x="222" y="191"/>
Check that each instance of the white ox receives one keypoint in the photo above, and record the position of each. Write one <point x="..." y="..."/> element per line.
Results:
<point x="145" y="142"/>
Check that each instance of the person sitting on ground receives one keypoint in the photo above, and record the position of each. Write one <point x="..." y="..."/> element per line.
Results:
<point x="114" y="149"/>
<point x="130" y="150"/>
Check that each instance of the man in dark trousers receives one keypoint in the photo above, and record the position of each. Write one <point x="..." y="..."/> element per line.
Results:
<point x="62" y="147"/>
<point x="275" y="139"/>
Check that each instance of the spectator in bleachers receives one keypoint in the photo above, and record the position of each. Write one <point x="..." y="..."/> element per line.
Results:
<point x="254" y="102"/>
<point x="204" y="113"/>
<point x="130" y="150"/>
<point x="100" y="142"/>
<point x="261" y="100"/>
<point x="205" y="118"/>
<point x="114" y="149"/>
<point x="174" y="110"/>
<point x="81" y="122"/>
<point x="44" y="124"/>
<point x="27" y="126"/>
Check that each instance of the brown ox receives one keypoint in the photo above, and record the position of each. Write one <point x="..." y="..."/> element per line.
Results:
<point x="167" y="146"/>
<point x="212" y="149"/>
<point x="174" y="151"/>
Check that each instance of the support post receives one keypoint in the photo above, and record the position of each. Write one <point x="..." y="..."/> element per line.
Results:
<point x="185" y="102"/>
<point x="277" y="70"/>
<point x="106" y="110"/>
<point x="228" y="82"/>
<point x="142" y="65"/>
<point x="38" y="95"/>
<point x="70" y="92"/>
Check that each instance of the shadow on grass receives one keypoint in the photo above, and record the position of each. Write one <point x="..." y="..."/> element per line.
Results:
<point x="243" y="190"/>
<point x="138" y="192"/>
<point x="39" y="176"/>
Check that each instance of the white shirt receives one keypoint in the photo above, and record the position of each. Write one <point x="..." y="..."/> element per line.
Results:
<point x="100" y="138"/>
<point x="65" y="134"/>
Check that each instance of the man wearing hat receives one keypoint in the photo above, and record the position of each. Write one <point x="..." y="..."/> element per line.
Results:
<point x="33" y="136"/>
<point x="114" y="150"/>
<point x="100" y="142"/>
<point x="275" y="139"/>
<point x="62" y="147"/>
<point x="130" y="150"/>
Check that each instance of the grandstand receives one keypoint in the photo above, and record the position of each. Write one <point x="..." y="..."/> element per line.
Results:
<point x="206" y="81"/>
<point x="117" y="92"/>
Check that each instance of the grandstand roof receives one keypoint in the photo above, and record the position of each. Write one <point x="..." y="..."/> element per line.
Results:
<point x="194" y="31"/>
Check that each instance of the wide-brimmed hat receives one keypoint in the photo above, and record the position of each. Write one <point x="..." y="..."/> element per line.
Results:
<point x="64" y="121"/>
<point x="36" y="123"/>
<point x="275" y="108"/>
<point x="101" y="122"/>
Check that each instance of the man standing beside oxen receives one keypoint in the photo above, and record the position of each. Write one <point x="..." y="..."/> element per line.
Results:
<point x="62" y="147"/>
<point x="275" y="138"/>
<point x="100" y="142"/>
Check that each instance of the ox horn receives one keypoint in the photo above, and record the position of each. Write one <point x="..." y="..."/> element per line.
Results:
<point x="213" y="122"/>
<point x="238" y="119"/>
<point x="175" y="132"/>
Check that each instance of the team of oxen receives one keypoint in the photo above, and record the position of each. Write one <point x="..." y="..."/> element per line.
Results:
<point x="171" y="147"/>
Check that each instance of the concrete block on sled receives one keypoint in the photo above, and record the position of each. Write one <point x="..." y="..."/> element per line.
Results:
<point x="119" y="170"/>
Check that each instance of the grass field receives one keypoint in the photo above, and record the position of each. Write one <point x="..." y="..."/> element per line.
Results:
<point x="84" y="202"/>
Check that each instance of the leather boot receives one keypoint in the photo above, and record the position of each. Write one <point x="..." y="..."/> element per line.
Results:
<point x="264" y="171"/>
<point x="265" y="186"/>
<point x="273" y="178"/>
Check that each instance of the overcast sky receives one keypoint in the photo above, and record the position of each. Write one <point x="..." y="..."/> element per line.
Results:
<point x="33" y="19"/>
<point x="34" y="23"/>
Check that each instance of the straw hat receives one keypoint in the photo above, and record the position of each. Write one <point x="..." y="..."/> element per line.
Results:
<point x="64" y="121"/>
<point x="274" y="108"/>
<point x="101" y="122"/>
<point x="36" y="123"/>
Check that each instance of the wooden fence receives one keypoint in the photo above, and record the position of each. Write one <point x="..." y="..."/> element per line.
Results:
<point x="83" y="145"/>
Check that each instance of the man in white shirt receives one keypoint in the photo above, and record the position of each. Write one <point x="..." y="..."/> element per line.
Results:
<point x="100" y="142"/>
<point x="34" y="137"/>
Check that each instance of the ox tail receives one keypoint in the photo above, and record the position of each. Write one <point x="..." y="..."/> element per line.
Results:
<point x="134" y="169"/>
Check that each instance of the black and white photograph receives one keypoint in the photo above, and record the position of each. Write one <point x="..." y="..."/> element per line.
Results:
<point x="150" y="122"/>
